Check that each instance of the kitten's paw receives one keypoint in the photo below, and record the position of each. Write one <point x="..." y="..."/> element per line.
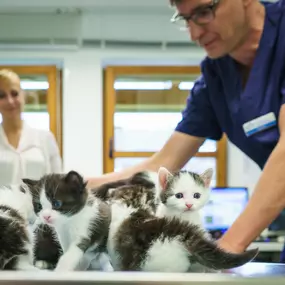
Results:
<point x="42" y="264"/>
<point x="64" y="267"/>
<point x="25" y="264"/>
<point x="108" y="268"/>
<point x="27" y="267"/>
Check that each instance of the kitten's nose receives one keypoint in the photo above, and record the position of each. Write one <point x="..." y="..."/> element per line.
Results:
<point x="47" y="218"/>
<point x="188" y="205"/>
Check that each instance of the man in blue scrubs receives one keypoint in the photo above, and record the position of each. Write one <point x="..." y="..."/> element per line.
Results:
<point x="243" y="78"/>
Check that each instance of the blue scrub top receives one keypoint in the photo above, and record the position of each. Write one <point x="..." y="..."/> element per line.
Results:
<point x="219" y="104"/>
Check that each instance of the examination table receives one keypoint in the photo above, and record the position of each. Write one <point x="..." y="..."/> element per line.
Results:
<point x="252" y="273"/>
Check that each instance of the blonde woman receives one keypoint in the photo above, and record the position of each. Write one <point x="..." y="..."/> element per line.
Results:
<point x="25" y="152"/>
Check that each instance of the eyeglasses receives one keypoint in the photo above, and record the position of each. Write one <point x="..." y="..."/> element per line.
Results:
<point x="201" y="16"/>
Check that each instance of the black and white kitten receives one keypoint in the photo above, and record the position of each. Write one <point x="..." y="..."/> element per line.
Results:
<point x="16" y="239"/>
<point x="180" y="194"/>
<point x="140" y="241"/>
<point x="183" y="194"/>
<point x="81" y="221"/>
<point x="46" y="246"/>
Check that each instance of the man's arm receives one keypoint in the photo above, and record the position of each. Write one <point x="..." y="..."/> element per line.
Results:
<point x="267" y="201"/>
<point x="174" y="155"/>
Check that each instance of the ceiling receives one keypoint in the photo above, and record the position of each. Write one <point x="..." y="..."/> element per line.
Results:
<point x="85" y="6"/>
<point x="90" y="23"/>
<point x="72" y="6"/>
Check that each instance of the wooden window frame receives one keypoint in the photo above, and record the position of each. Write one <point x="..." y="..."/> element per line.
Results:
<point x="109" y="101"/>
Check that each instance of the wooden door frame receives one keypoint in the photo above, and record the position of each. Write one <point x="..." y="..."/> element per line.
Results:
<point x="109" y="101"/>
<point x="54" y="96"/>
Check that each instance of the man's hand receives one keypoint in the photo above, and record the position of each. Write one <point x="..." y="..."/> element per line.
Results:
<point x="232" y="248"/>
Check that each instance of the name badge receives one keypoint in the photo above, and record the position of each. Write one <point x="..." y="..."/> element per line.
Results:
<point x="259" y="124"/>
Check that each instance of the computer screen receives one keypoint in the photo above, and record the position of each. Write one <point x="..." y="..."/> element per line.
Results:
<point x="225" y="205"/>
<point x="278" y="225"/>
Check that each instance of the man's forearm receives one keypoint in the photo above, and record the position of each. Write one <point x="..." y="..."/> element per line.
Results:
<point x="267" y="201"/>
<point x="175" y="153"/>
<point x="148" y="164"/>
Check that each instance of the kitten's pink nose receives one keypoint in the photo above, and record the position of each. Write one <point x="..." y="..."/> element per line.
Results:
<point x="47" y="217"/>
<point x="188" y="205"/>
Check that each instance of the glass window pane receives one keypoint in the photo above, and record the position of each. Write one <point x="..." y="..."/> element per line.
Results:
<point x="196" y="164"/>
<point x="148" y="108"/>
<point x="35" y="91"/>
<point x="143" y="131"/>
<point x="124" y="162"/>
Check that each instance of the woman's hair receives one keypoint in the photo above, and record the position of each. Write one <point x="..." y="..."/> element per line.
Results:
<point x="8" y="75"/>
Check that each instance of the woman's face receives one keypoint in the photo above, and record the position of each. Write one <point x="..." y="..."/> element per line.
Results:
<point x="11" y="98"/>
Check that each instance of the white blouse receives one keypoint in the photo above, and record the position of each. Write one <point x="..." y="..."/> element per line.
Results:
<point x="37" y="154"/>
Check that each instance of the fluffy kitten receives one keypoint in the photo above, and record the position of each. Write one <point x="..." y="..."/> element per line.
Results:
<point x="81" y="221"/>
<point x="181" y="194"/>
<point x="133" y="196"/>
<point x="47" y="249"/>
<point x="16" y="212"/>
<point x="140" y="241"/>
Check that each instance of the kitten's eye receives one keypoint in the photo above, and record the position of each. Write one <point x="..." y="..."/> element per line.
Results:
<point x="197" y="195"/>
<point x="179" y="195"/>
<point x="57" y="204"/>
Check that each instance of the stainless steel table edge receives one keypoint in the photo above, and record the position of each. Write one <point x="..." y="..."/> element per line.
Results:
<point x="131" y="278"/>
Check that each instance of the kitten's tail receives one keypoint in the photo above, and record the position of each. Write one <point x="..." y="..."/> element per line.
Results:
<point x="209" y="254"/>
<point x="206" y="251"/>
<point x="200" y="247"/>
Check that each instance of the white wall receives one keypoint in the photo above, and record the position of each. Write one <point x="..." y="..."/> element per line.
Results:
<point x="242" y="171"/>
<point x="82" y="102"/>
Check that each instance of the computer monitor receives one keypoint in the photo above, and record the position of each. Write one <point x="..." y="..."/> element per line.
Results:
<point x="278" y="225"/>
<point x="225" y="205"/>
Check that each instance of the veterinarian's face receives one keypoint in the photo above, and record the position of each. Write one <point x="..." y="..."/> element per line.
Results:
<point x="218" y="26"/>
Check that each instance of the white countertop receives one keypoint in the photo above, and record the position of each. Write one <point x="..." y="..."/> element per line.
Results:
<point x="253" y="273"/>
<point x="268" y="246"/>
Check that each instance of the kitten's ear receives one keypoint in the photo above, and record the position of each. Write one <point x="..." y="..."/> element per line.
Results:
<point x="163" y="177"/>
<point x="207" y="176"/>
<point x="30" y="182"/>
<point x="74" y="178"/>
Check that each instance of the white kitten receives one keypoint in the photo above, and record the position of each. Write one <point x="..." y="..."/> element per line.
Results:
<point x="182" y="194"/>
